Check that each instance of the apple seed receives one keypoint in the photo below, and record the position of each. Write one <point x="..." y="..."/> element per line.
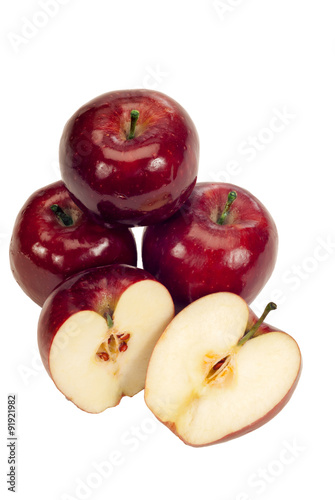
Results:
<point x="124" y="336"/>
<point x="123" y="347"/>
<point x="220" y="368"/>
<point x="103" y="355"/>
<point x="219" y="364"/>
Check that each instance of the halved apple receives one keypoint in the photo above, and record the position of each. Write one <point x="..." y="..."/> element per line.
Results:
<point x="97" y="331"/>
<point x="211" y="379"/>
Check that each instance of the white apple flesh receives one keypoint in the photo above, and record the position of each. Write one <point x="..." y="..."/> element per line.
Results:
<point x="96" y="358"/>
<point x="205" y="386"/>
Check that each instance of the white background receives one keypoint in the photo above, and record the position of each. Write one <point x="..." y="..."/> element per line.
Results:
<point x="234" y="65"/>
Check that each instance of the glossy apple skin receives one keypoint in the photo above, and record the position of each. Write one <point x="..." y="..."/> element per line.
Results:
<point x="43" y="252"/>
<point x="137" y="181"/>
<point x="194" y="256"/>
<point x="263" y="329"/>
<point x="97" y="289"/>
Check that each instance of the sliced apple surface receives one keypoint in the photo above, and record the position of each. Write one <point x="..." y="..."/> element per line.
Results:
<point x="97" y="350"/>
<point x="207" y="384"/>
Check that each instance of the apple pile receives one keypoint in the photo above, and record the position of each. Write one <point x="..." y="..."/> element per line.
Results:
<point x="180" y="327"/>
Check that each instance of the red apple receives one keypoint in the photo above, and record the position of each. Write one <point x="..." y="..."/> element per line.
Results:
<point x="97" y="330"/>
<point x="130" y="156"/>
<point x="53" y="239"/>
<point x="213" y="245"/>
<point x="216" y="373"/>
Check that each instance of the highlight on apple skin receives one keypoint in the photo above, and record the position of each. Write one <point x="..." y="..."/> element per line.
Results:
<point x="130" y="156"/>
<point x="222" y="239"/>
<point x="53" y="239"/>
<point x="214" y="376"/>
<point x="97" y="330"/>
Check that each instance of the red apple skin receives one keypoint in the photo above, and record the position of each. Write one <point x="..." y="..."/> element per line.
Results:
<point x="137" y="181"/>
<point x="194" y="256"/>
<point x="97" y="289"/>
<point x="44" y="252"/>
<point x="263" y="329"/>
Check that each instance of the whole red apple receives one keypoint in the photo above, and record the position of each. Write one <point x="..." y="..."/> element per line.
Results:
<point x="97" y="330"/>
<point x="53" y="239"/>
<point x="130" y="156"/>
<point x="222" y="239"/>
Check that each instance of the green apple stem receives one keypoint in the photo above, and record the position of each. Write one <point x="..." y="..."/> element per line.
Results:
<point x="62" y="216"/>
<point x="134" y="114"/>
<point x="110" y="322"/>
<point x="231" y="198"/>
<point x="270" y="307"/>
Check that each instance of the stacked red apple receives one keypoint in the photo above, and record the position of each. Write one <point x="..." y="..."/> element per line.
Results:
<point x="108" y="328"/>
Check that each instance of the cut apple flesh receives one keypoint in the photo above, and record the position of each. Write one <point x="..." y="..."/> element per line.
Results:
<point x="95" y="363"/>
<point x="204" y="386"/>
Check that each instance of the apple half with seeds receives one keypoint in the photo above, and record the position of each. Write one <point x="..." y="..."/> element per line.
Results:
<point x="216" y="373"/>
<point x="97" y="330"/>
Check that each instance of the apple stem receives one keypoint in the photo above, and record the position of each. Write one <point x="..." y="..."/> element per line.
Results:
<point x="134" y="114"/>
<point x="231" y="198"/>
<point x="270" y="307"/>
<point x="62" y="216"/>
<point x="109" y="321"/>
